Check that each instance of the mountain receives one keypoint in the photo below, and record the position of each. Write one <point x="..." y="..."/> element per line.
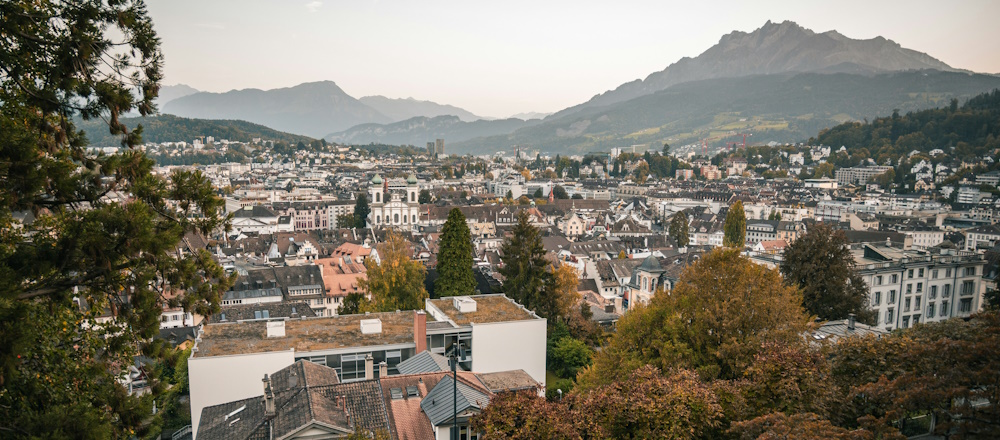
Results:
<point x="312" y="109"/>
<point x="775" y="48"/>
<point x="420" y="130"/>
<point x="787" y="107"/>
<point x="403" y="109"/>
<point x="530" y="115"/>
<point x="170" y="93"/>
<point x="170" y="128"/>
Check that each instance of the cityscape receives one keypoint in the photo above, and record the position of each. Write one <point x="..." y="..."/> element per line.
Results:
<point x="793" y="234"/>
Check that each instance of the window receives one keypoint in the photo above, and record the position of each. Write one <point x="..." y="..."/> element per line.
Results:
<point x="906" y="322"/>
<point x="256" y="314"/>
<point x="967" y="287"/>
<point x="413" y="197"/>
<point x="378" y="197"/>
<point x="909" y="273"/>
<point x="930" y="309"/>
<point x="892" y="297"/>
<point x="395" y="218"/>
<point x="933" y="292"/>
<point x="944" y="308"/>
<point x="920" y="287"/>
<point x="414" y="218"/>
<point x="888" y="316"/>
<point x="934" y="274"/>
<point x="906" y="305"/>
<point x="916" y="319"/>
<point x="909" y="288"/>
<point x="965" y="305"/>
<point x="878" y="299"/>
<point x="920" y="272"/>
<point x="947" y="291"/>
<point x="893" y="279"/>
<point x="947" y="273"/>
<point x="916" y="303"/>
<point x="878" y="280"/>
<point x="970" y="271"/>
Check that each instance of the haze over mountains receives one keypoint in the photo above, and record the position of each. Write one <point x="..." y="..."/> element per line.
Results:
<point x="781" y="81"/>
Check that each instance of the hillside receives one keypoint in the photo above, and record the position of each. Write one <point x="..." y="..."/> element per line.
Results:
<point x="403" y="109"/>
<point x="420" y="130"/>
<point x="786" y="107"/>
<point x="169" y="128"/>
<point x="312" y="109"/>
<point x="774" y="48"/>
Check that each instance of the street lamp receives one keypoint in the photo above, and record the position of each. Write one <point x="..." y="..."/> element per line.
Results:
<point x="455" y="353"/>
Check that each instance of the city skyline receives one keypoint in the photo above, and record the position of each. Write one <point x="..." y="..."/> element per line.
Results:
<point x="524" y="58"/>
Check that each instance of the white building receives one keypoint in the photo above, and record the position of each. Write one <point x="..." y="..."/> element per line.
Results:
<point x="229" y="359"/>
<point x="393" y="202"/>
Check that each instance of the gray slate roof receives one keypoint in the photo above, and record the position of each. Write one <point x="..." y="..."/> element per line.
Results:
<point x="424" y="362"/>
<point x="438" y="404"/>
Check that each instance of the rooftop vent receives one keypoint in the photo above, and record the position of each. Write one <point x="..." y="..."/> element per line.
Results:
<point x="371" y="326"/>
<point x="276" y="329"/>
<point x="396" y="393"/>
<point x="411" y="391"/>
<point x="464" y="304"/>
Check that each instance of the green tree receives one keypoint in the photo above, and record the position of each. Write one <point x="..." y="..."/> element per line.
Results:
<point x="823" y="170"/>
<point x="524" y="265"/>
<point x="577" y="196"/>
<point x="559" y="192"/>
<point x="361" y="211"/>
<point x="538" y="194"/>
<point x="396" y="282"/>
<point x="821" y="264"/>
<point x="715" y="321"/>
<point x="454" y="262"/>
<point x="424" y="197"/>
<point x="353" y="304"/>
<point x="106" y="229"/>
<point x="678" y="229"/>
<point x="735" y="228"/>
<point x="345" y="221"/>
<point x="567" y="356"/>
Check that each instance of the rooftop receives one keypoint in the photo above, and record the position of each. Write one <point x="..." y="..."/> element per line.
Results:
<point x="305" y="335"/>
<point x="489" y="309"/>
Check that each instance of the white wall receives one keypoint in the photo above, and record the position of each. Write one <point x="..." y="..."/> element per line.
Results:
<point x="219" y="379"/>
<point x="505" y="346"/>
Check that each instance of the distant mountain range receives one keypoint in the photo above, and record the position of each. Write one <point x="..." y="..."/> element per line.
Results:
<point x="420" y="130"/>
<point x="781" y="82"/>
<point x="170" y="128"/>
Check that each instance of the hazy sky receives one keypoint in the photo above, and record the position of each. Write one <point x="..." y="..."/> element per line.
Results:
<point x="500" y="58"/>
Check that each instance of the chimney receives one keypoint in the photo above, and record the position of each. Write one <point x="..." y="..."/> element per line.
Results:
<point x="268" y="397"/>
<point x="383" y="369"/>
<point x="850" y="321"/>
<point x="369" y="367"/>
<point x="420" y="331"/>
<point x="888" y="241"/>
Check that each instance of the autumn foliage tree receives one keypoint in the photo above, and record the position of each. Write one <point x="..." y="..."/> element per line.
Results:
<point x="396" y="282"/>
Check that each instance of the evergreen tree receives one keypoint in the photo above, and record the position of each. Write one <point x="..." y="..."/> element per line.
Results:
<point x="361" y="211"/>
<point x="679" y="229"/>
<point x="735" y="227"/>
<point x="454" y="263"/>
<point x="821" y="265"/>
<point x="89" y="60"/>
<point x="524" y="265"/>
<point x="424" y="197"/>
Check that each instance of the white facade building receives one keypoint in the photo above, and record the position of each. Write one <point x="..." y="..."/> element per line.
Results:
<point x="393" y="202"/>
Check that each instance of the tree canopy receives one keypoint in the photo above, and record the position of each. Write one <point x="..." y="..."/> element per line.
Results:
<point x="361" y="211"/>
<point x="104" y="242"/>
<point x="526" y="278"/>
<point x="454" y="262"/>
<point x="820" y="264"/>
<point x="678" y="229"/>
<point x="735" y="228"/>
<point x="396" y="282"/>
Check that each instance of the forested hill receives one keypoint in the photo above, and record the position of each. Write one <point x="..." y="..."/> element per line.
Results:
<point x="963" y="132"/>
<point x="170" y="128"/>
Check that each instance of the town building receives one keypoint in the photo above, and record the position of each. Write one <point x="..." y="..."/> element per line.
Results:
<point x="393" y="202"/>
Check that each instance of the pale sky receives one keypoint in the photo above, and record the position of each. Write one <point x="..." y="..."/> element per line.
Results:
<point x="500" y="58"/>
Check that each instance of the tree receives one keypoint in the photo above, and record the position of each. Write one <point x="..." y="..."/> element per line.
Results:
<point x="715" y="321"/>
<point x="567" y="356"/>
<point x="735" y="227"/>
<point x="361" y="211"/>
<point x="522" y="415"/>
<point x="524" y="265"/>
<point x="424" y="197"/>
<point x="454" y="263"/>
<point x="396" y="282"/>
<point x="805" y="426"/>
<point x="353" y="304"/>
<point x="823" y="170"/>
<point x="559" y="192"/>
<point x="89" y="60"/>
<point x="666" y="149"/>
<point x="679" y="229"/>
<point x="822" y="266"/>
<point x="538" y="193"/>
<point x="345" y="221"/>
<point x="774" y="215"/>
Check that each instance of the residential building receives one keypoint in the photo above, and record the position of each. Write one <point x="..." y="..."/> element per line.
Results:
<point x="859" y="175"/>
<point x="982" y="237"/>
